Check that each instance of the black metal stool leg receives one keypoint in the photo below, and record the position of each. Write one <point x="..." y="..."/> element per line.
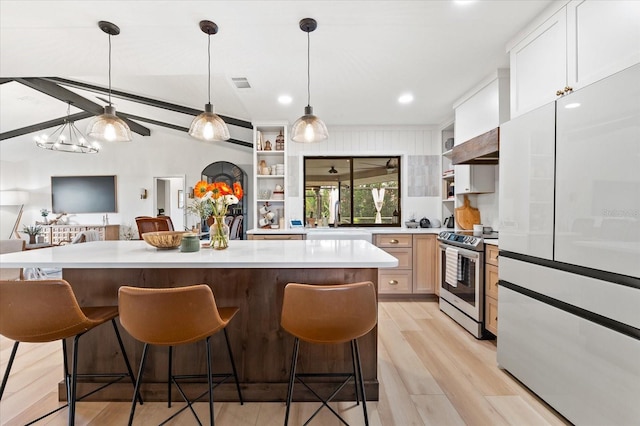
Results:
<point x="74" y="382"/>
<point x="233" y="366"/>
<point x="126" y="358"/>
<point x="169" y="376"/>
<point x="364" y="398"/>
<point x="355" y="376"/>
<point x="209" y="380"/>
<point x="138" y="381"/>
<point x="6" y="373"/>
<point x="292" y="377"/>
<point x="67" y="376"/>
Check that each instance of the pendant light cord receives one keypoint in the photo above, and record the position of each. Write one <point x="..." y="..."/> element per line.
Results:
<point x="308" y="69"/>
<point x="109" y="69"/>
<point x="209" y="63"/>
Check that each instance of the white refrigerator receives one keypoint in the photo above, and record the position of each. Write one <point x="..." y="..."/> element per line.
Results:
<point x="569" y="289"/>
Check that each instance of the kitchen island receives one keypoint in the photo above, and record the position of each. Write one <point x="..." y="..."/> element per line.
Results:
<point x="250" y="275"/>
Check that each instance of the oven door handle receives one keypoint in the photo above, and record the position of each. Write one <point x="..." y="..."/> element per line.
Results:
<point x="461" y="251"/>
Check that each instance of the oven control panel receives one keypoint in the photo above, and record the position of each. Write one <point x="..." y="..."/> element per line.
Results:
<point x="460" y="240"/>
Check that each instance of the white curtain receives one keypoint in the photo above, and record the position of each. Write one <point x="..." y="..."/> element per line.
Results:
<point x="378" y="200"/>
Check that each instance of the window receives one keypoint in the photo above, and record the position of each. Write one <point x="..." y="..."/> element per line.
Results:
<point x="352" y="191"/>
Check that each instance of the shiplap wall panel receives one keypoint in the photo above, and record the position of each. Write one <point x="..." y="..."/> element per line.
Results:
<point x="403" y="141"/>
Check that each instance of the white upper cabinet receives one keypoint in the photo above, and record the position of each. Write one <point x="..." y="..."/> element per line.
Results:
<point x="539" y="65"/>
<point x="603" y="37"/>
<point x="581" y="43"/>
<point x="474" y="179"/>
<point x="482" y="109"/>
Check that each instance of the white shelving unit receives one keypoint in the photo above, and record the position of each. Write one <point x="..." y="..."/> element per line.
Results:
<point x="270" y="174"/>
<point x="448" y="174"/>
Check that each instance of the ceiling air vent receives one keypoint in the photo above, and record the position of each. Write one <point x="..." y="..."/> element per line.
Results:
<point x="241" y="82"/>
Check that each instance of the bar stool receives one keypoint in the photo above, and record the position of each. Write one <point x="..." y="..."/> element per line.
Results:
<point x="329" y="314"/>
<point x="46" y="311"/>
<point x="176" y="316"/>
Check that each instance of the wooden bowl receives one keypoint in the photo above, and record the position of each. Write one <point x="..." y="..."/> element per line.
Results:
<point x="163" y="239"/>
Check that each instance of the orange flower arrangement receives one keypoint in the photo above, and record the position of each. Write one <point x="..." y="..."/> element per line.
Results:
<point x="214" y="199"/>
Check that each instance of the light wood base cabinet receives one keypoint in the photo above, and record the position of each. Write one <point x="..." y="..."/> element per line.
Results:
<point x="425" y="263"/>
<point x="491" y="289"/>
<point x="416" y="271"/>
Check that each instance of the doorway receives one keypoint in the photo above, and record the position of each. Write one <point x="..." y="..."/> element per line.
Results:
<point x="170" y="198"/>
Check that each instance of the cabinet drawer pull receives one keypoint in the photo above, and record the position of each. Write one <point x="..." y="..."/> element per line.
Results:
<point x="559" y="92"/>
<point x="394" y="241"/>
<point x="393" y="282"/>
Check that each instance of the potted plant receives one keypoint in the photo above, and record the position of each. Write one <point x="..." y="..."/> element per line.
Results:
<point x="32" y="231"/>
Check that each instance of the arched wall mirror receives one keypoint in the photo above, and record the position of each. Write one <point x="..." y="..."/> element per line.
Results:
<point x="224" y="171"/>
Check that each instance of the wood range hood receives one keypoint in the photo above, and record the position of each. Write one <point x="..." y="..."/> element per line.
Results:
<point x="483" y="149"/>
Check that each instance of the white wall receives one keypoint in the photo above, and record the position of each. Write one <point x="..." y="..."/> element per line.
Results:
<point x="170" y="153"/>
<point x="165" y="153"/>
<point x="363" y="141"/>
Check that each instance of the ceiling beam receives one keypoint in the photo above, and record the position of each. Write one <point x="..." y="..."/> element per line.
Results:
<point x="44" y="125"/>
<point x="54" y="90"/>
<point x="183" y="129"/>
<point x="146" y="101"/>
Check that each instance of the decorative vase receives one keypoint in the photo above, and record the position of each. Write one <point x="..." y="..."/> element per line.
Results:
<point x="219" y="233"/>
<point x="32" y="239"/>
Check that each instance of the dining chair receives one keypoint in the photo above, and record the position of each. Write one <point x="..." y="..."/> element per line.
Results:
<point x="153" y="224"/>
<point x="329" y="314"/>
<point x="235" y="232"/>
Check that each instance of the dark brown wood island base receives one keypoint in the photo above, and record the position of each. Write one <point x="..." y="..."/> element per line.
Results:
<point x="261" y="348"/>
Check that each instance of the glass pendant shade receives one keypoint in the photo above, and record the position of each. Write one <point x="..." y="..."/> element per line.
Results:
<point x="309" y="128"/>
<point x="208" y="126"/>
<point x="108" y="127"/>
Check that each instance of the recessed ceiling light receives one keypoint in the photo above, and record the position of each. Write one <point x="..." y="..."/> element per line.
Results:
<point x="572" y="105"/>
<point x="463" y="2"/>
<point x="285" y="99"/>
<point x="406" y="98"/>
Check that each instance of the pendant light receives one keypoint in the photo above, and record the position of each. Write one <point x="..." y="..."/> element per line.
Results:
<point x="108" y="127"/>
<point x="208" y="126"/>
<point x="308" y="128"/>
<point x="67" y="138"/>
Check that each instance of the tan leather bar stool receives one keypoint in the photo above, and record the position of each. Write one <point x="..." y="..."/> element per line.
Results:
<point x="46" y="311"/>
<point x="176" y="316"/>
<point x="329" y="314"/>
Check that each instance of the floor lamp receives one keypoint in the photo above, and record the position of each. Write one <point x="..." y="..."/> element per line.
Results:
<point x="14" y="198"/>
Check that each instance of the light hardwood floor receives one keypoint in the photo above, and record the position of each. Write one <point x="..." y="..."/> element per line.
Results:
<point x="431" y="372"/>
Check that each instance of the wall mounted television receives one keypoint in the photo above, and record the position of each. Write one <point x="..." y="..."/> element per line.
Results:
<point x="83" y="194"/>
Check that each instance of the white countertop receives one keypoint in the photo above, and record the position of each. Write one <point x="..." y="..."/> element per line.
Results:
<point x="240" y="254"/>
<point x="385" y="230"/>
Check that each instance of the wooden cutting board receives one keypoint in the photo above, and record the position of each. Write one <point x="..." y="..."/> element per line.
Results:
<point x="467" y="216"/>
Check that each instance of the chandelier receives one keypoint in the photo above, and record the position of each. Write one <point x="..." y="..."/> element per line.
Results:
<point x="67" y="138"/>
